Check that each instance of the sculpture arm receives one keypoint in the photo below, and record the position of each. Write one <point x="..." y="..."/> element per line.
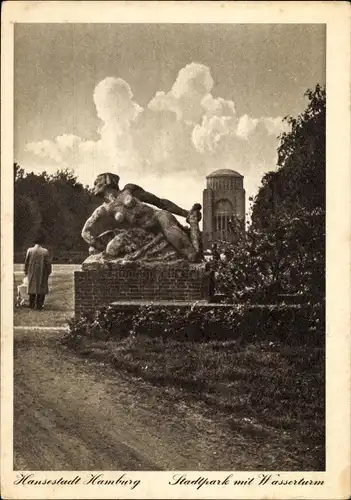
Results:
<point x="87" y="234"/>
<point x="150" y="198"/>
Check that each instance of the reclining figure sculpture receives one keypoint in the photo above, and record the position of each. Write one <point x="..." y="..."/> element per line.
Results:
<point x="135" y="230"/>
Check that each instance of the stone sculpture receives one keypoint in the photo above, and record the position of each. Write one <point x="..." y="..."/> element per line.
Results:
<point x="128" y="227"/>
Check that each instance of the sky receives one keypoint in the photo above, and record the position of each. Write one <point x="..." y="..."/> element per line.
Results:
<point x="161" y="105"/>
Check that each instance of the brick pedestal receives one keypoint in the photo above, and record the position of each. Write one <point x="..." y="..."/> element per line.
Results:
<point x="134" y="281"/>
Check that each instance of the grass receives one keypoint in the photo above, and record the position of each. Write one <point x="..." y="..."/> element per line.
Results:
<point x="59" y="303"/>
<point x="264" y="391"/>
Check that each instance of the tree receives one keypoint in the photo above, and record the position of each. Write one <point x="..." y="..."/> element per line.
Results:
<point x="27" y="221"/>
<point x="18" y="172"/>
<point x="284" y="248"/>
<point x="299" y="181"/>
<point x="55" y="205"/>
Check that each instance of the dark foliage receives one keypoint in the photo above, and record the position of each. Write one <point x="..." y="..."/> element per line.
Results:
<point x="287" y="258"/>
<point x="247" y="323"/>
<point x="283" y="251"/>
<point x="299" y="182"/>
<point x="56" y="206"/>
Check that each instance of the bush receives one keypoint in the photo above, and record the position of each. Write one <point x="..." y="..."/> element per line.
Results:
<point x="293" y="324"/>
<point x="286" y="258"/>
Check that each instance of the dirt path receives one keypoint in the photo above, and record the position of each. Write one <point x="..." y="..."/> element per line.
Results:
<point x="76" y="415"/>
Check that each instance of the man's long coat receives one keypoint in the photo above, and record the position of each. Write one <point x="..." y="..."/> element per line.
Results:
<point x="38" y="268"/>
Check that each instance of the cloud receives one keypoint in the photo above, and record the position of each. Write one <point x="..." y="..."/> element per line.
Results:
<point x="246" y="126"/>
<point x="165" y="102"/>
<point x="186" y="129"/>
<point x="69" y="151"/>
<point x="117" y="110"/>
<point x="193" y="79"/>
<point x="192" y="84"/>
<point x="217" y="107"/>
<point x="275" y="126"/>
<point x="206" y="136"/>
<point x="190" y="97"/>
<point x="59" y="149"/>
<point x="113" y="100"/>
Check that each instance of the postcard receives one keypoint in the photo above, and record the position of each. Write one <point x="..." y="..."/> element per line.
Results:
<point x="175" y="241"/>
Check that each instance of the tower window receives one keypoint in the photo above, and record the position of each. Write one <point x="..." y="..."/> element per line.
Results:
<point x="222" y="215"/>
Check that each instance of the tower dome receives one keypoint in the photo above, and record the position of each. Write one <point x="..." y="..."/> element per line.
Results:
<point x="224" y="172"/>
<point x="224" y="179"/>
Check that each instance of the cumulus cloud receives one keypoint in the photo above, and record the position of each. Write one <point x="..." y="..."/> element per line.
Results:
<point x="192" y="84"/>
<point x="69" y="151"/>
<point x="190" y="97"/>
<point x="165" y="102"/>
<point x="246" y="126"/>
<point x="275" y="126"/>
<point x="59" y="149"/>
<point x="194" y="78"/>
<point x="113" y="99"/>
<point x="218" y="106"/>
<point x="117" y="110"/>
<point x="206" y="136"/>
<point x="185" y="129"/>
<point x="210" y="135"/>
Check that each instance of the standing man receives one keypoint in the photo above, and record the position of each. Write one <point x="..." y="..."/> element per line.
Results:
<point x="37" y="267"/>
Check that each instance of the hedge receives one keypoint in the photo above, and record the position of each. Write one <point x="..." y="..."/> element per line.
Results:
<point x="288" y="323"/>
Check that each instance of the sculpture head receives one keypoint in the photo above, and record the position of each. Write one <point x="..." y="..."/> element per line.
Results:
<point x="106" y="181"/>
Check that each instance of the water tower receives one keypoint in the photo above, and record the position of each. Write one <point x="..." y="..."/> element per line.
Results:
<point x="223" y="206"/>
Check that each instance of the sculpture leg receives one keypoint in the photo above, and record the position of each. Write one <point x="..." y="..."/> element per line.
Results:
<point x="116" y="246"/>
<point x="175" y="235"/>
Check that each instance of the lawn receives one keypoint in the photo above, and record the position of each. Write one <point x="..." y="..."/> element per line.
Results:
<point x="59" y="303"/>
<point x="270" y="392"/>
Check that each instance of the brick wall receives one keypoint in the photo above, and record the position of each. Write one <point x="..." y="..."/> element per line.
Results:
<point x="138" y="282"/>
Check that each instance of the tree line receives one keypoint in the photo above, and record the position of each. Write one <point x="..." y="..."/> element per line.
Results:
<point x="54" y="207"/>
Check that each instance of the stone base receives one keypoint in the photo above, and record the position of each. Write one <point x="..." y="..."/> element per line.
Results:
<point x="139" y="281"/>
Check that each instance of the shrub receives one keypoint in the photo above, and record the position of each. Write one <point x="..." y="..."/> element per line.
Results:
<point x="247" y="323"/>
<point x="286" y="258"/>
